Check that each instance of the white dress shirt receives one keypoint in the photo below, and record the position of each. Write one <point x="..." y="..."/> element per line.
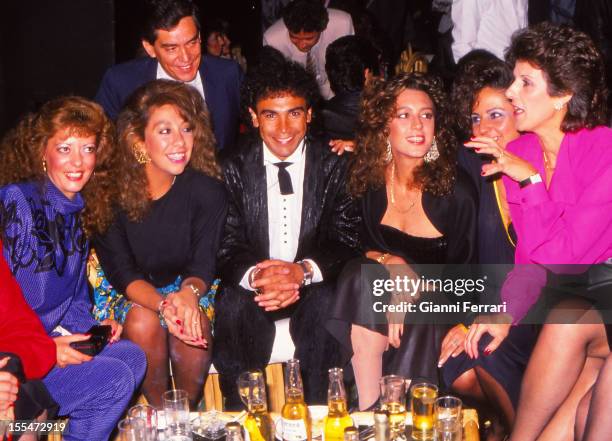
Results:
<point x="486" y="24"/>
<point x="340" y="24"/>
<point x="284" y="211"/>
<point x="196" y="82"/>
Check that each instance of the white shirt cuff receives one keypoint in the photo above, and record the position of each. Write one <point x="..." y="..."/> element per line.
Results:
<point x="244" y="282"/>
<point x="317" y="275"/>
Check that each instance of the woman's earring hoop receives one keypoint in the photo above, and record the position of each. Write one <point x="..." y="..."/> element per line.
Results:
<point x="433" y="153"/>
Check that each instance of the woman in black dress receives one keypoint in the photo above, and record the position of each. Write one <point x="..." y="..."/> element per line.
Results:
<point x="484" y="112"/>
<point x="417" y="209"/>
<point x="160" y="250"/>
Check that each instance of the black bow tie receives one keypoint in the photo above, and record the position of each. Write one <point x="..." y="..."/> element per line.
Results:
<point x="284" y="179"/>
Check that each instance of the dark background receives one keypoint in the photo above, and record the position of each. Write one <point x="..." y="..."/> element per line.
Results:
<point x="60" y="47"/>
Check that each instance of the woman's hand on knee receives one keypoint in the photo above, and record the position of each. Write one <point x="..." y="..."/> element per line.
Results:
<point x="496" y="325"/>
<point x="453" y="343"/>
<point x="116" y="329"/>
<point x="396" y="330"/>
<point x="65" y="354"/>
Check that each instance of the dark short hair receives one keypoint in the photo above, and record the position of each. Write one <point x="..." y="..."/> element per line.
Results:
<point x="345" y="61"/>
<point x="275" y="76"/>
<point x="571" y="64"/>
<point x="475" y="71"/>
<point x="165" y="14"/>
<point x="306" y="16"/>
<point x="213" y="25"/>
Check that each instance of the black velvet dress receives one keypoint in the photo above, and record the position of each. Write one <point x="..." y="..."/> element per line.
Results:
<point x="495" y="247"/>
<point x="454" y="215"/>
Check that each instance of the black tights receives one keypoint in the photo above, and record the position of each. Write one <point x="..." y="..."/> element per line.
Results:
<point x="189" y="364"/>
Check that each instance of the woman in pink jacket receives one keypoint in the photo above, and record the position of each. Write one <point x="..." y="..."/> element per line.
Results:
<point x="558" y="180"/>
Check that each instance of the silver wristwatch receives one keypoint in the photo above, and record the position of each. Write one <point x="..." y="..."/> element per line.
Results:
<point x="308" y="272"/>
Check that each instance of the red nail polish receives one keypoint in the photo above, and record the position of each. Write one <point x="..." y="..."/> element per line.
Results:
<point x="178" y="322"/>
<point x="477" y="150"/>
<point x="487" y="351"/>
<point x="482" y="173"/>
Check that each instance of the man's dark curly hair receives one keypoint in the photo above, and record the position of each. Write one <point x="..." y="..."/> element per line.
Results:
<point x="165" y="14"/>
<point x="275" y="76"/>
<point x="305" y="16"/>
<point x="475" y="71"/>
<point x="570" y="64"/>
<point x="368" y="162"/>
<point x="345" y="61"/>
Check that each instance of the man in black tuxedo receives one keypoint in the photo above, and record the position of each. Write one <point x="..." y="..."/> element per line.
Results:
<point x="291" y="226"/>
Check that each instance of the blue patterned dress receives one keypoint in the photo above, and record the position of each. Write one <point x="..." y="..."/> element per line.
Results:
<point x="46" y="249"/>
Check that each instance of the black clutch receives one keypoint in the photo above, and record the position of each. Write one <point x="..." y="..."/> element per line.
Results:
<point x="100" y="336"/>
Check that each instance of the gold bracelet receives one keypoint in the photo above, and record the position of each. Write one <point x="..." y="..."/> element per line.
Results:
<point x="381" y="259"/>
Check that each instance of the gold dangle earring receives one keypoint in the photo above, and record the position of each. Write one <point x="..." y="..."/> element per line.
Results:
<point x="433" y="153"/>
<point x="388" y="153"/>
<point x="44" y="164"/>
<point x="140" y="154"/>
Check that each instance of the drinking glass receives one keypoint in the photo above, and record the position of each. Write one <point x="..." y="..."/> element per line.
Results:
<point x="448" y="430"/>
<point x="393" y="400"/>
<point x="252" y="389"/>
<point x="132" y="429"/>
<point x="176" y="411"/>
<point x="423" y="396"/>
<point x="149" y="415"/>
<point x="448" y="408"/>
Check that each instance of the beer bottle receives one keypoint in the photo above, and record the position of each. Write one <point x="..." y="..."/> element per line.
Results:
<point x="295" y="416"/>
<point x="337" y="413"/>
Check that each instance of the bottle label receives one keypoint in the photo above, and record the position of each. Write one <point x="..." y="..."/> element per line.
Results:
<point x="294" y="430"/>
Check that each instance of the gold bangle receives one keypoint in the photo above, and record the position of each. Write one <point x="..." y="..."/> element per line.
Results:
<point x="381" y="259"/>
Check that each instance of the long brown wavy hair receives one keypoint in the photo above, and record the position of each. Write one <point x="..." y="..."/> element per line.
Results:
<point x="131" y="178"/>
<point x="22" y="150"/>
<point x="368" y="162"/>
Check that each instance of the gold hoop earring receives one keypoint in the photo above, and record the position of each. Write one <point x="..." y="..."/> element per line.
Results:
<point x="142" y="157"/>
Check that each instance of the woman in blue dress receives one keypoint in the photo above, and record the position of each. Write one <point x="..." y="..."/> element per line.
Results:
<point x="54" y="167"/>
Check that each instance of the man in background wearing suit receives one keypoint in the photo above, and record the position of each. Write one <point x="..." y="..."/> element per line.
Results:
<point x="172" y="42"/>
<point x="291" y="226"/>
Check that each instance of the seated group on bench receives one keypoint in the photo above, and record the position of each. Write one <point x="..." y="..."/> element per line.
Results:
<point x="191" y="260"/>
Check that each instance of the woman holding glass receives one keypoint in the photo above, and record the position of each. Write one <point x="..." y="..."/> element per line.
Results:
<point x="417" y="208"/>
<point x="56" y="164"/>
<point x="160" y="250"/>
<point x="557" y="179"/>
